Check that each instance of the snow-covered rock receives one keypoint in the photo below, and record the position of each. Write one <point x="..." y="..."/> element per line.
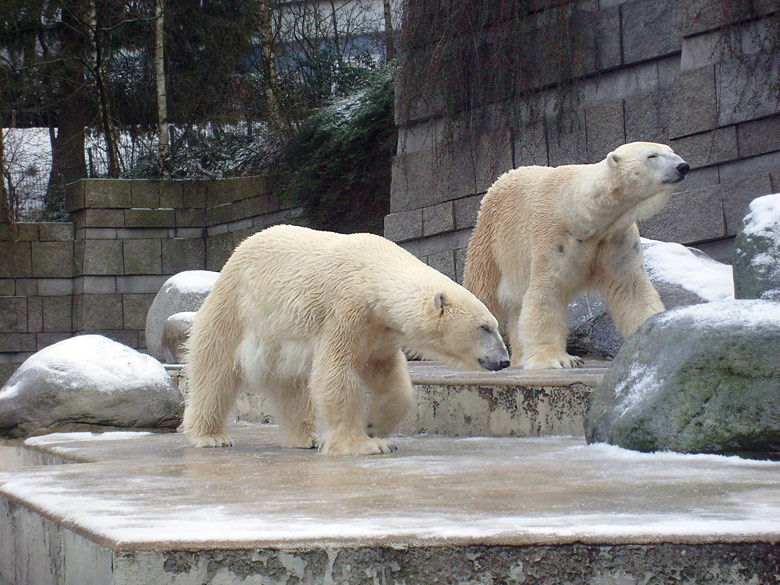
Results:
<point x="682" y="276"/>
<point x="757" y="251"/>
<point x="184" y="291"/>
<point x="175" y="332"/>
<point x="88" y="380"/>
<point x="699" y="379"/>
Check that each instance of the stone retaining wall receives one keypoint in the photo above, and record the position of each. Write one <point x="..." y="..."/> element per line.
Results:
<point x="100" y="272"/>
<point x="681" y="73"/>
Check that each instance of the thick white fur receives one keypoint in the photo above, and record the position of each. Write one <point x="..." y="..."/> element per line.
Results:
<point x="317" y="320"/>
<point x="545" y="234"/>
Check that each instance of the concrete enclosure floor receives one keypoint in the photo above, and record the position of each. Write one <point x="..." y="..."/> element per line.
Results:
<point x="154" y="491"/>
<point x="493" y="494"/>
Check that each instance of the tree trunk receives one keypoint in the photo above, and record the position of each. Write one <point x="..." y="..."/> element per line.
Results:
<point x="162" y="96"/>
<point x="265" y="14"/>
<point x="105" y="101"/>
<point x="5" y="208"/>
<point x="68" y="160"/>
<point x="389" y="36"/>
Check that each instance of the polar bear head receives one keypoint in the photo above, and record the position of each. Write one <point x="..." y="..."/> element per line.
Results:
<point x="645" y="174"/>
<point x="457" y="329"/>
<point x="647" y="165"/>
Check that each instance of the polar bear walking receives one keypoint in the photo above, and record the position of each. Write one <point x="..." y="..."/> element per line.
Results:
<point x="545" y="234"/>
<point x="317" y="320"/>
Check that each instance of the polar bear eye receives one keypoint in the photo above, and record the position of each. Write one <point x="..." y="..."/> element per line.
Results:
<point x="486" y="328"/>
<point x="652" y="155"/>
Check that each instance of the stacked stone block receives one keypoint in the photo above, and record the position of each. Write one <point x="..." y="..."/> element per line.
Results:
<point x="693" y="75"/>
<point x="36" y="288"/>
<point x="100" y="272"/>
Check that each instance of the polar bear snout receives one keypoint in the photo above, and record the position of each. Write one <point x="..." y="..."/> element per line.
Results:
<point x="495" y="355"/>
<point x="677" y="171"/>
<point x="489" y="364"/>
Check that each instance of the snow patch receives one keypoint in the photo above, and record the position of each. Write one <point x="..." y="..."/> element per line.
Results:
<point x="763" y="216"/>
<point x="744" y="313"/>
<point x="632" y="391"/>
<point x="191" y="281"/>
<point x="94" y="361"/>
<point x="676" y="264"/>
<point x="763" y="259"/>
<point x="605" y="451"/>
<point x="84" y="436"/>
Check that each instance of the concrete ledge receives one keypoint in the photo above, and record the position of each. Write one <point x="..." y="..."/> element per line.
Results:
<point x="454" y="403"/>
<point x="152" y="509"/>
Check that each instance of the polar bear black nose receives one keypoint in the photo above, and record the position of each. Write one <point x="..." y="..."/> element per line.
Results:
<point x="503" y="364"/>
<point x="683" y="168"/>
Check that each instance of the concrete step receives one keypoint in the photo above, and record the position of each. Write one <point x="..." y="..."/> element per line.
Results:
<point x="149" y="509"/>
<point x="509" y="403"/>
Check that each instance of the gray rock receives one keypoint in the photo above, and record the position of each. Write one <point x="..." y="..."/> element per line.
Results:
<point x="184" y="291"/>
<point x="682" y="276"/>
<point x="175" y="332"/>
<point x="700" y="379"/>
<point x="757" y="251"/>
<point x="84" y="381"/>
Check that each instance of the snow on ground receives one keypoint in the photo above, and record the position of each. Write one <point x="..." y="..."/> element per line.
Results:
<point x="93" y="361"/>
<point x="84" y="436"/>
<point x="674" y="263"/>
<point x="191" y="281"/>
<point x="763" y="216"/>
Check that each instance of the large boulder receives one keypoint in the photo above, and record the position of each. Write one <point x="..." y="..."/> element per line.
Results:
<point x="757" y="251"/>
<point x="682" y="276"/>
<point x="700" y="379"/>
<point x="88" y="380"/>
<point x="182" y="292"/>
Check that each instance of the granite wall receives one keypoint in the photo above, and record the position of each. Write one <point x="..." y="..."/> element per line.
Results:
<point x="701" y="75"/>
<point x="99" y="273"/>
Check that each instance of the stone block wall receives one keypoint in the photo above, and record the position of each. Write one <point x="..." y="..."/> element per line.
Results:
<point x="100" y="272"/>
<point x="701" y="76"/>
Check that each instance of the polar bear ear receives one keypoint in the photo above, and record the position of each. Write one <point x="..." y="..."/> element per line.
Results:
<point x="613" y="159"/>
<point x="440" y="301"/>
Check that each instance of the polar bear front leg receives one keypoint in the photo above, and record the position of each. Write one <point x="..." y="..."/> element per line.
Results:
<point x="339" y="397"/>
<point x="623" y="282"/>
<point x="390" y="393"/>
<point x="543" y="322"/>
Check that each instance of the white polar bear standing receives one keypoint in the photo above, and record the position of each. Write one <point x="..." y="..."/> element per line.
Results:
<point x="317" y="319"/>
<point x="545" y="234"/>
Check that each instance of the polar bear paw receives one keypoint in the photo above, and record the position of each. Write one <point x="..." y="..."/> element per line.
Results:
<point x="539" y="362"/>
<point x="219" y="440"/>
<point x="301" y="442"/>
<point x="369" y="446"/>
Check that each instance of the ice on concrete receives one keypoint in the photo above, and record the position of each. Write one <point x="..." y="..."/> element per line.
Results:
<point x="59" y="438"/>
<point x="676" y="264"/>
<point x="166" y="495"/>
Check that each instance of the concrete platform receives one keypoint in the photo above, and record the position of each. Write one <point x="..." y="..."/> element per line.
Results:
<point x="146" y="508"/>
<point x="454" y="403"/>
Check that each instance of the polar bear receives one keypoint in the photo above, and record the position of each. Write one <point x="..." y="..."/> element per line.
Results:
<point x="316" y="320"/>
<point x="544" y="234"/>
